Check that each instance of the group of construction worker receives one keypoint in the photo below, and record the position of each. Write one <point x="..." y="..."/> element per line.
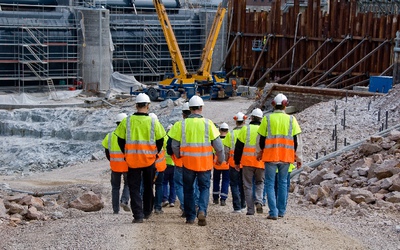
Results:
<point x="252" y="159"/>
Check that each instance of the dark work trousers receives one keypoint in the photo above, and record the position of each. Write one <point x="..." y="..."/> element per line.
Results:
<point x="141" y="208"/>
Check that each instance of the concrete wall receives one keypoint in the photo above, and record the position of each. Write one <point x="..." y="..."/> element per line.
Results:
<point x="96" y="51"/>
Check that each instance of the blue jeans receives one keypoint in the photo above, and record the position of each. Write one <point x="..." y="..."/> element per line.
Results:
<point x="178" y="179"/>
<point x="169" y="185"/>
<point x="236" y="183"/>
<point x="223" y="192"/>
<point x="276" y="186"/>
<point x="277" y="206"/>
<point x="115" y="187"/>
<point x="203" y="183"/>
<point x="159" y="191"/>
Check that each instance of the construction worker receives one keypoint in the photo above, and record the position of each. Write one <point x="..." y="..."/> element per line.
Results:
<point x="142" y="138"/>
<point x="279" y="145"/>
<point x="221" y="174"/>
<point x="245" y="155"/>
<point x="169" y="194"/>
<point x="178" y="178"/>
<point x="118" y="168"/>
<point x="161" y="165"/>
<point x="235" y="176"/>
<point x="193" y="140"/>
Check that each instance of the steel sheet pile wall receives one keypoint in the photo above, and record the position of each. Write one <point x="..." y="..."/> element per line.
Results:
<point x="337" y="49"/>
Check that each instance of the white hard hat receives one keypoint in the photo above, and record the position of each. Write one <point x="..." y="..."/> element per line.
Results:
<point x="257" y="113"/>
<point x="152" y="115"/>
<point x="142" y="98"/>
<point x="280" y="99"/>
<point x="185" y="106"/>
<point x="240" y="117"/>
<point x="196" y="101"/>
<point x="224" y="126"/>
<point x="120" y="117"/>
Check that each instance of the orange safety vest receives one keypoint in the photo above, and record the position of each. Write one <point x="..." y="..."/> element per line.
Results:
<point x="197" y="156"/>
<point x="177" y="161"/>
<point x="161" y="162"/>
<point x="278" y="147"/>
<point x="249" y="156"/>
<point x="117" y="158"/>
<point x="139" y="154"/>
<point x="223" y="166"/>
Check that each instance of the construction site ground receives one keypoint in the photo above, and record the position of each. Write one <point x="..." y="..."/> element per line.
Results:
<point x="305" y="226"/>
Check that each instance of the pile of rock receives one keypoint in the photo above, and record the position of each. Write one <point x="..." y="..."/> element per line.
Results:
<point x="368" y="176"/>
<point x="20" y="208"/>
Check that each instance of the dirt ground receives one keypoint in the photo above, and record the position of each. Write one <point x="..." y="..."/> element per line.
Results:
<point x="104" y="230"/>
<point x="305" y="226"/>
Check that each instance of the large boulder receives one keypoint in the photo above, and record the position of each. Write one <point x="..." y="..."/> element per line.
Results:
<point x="361" y="195"/>
<point x="88" y="202"/>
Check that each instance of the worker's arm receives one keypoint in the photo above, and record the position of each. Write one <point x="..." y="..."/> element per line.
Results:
<point x="169" y="147"/>
<point x="226" y="151"/>
<point x="107" y="153"/>
<point x="298" y="146"/>
<point x="237" y="155"/>
<point x="160" y="144"/>
<point x="121" y="144"/>
<point x="219" y="150"/>
<point x="260" y="144"/>
<point x="176" y="147"/>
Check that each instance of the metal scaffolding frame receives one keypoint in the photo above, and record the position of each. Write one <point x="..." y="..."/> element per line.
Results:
<point x="36" y="47"/>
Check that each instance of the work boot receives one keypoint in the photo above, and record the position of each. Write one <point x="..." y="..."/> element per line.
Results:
<point x="216" y="201"/>
<point x="223" y="203"/>
<point x="164" y="203"/>
<point x="202" y="219"/>
<point x="125" y="207"/>
<point x="158" y="211"/>
<point x="259" y="208"/>
<point x="137" y="221"/>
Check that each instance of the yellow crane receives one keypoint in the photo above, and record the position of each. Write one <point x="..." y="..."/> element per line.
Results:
<point x="205" y="83"/>
<point x="204" y="72"/>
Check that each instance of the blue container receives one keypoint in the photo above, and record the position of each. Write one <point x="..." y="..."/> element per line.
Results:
<point x="380" y="84"/>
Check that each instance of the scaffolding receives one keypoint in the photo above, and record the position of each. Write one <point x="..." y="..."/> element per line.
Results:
<point x="37" y="47"/>
<point x="43" y="43"/>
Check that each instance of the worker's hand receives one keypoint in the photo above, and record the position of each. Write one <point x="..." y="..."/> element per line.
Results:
<point x="219" y="162"/>
<point x="299" y="163"/>
<point x="259" y="155"/>
<point x="237" y="167"/>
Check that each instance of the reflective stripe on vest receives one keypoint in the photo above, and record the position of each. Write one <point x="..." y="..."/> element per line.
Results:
<point x="140" y="154"/>
<point x="231" y="161"/>
<point x="249" y="156"/>
<point x="279" y="148"/>
<point x="161" y="162"/>
<point x="117" y="158"/>
<point x="197" y="156"/>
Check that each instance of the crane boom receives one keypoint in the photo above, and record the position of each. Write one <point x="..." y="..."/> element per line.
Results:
<point x="206" y="57"/>
<point x="178" y="64"/>
<point x="210" y="86"/>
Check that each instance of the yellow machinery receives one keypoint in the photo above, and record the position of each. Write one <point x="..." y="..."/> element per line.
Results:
<point x="204" y="72"/>
<point x="204" y="83"/>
